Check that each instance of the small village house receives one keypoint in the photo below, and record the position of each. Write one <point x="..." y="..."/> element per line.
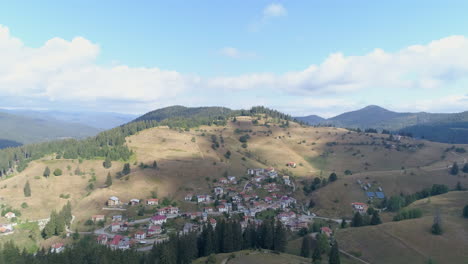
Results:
<point x="113" y="201"/>
<point x="153" y="201"/>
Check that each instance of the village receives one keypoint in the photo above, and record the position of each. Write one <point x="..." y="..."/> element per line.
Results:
<point x="265" y="194"/>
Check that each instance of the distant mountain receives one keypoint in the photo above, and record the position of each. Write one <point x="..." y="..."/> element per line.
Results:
<point x="99" y="120"/>
<point x="440" y="127"/>
<point x="311" y="119"/>
<point x="17" y="129"/>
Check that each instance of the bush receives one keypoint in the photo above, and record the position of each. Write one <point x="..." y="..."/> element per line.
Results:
<point x="408" y="214"/>
<point x="89" y="222"/>
<point x="24" y="205"/>
<point x="58" y="172"/>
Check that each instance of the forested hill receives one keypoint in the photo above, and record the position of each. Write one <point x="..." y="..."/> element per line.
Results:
<point x="25" y="129"/>
<point x="110" y="143"/>
<point x="440" y="127"/>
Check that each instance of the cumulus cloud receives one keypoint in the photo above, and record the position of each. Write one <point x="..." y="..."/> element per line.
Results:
<point x="66" y="70"/>
<point x="274" y="10"/>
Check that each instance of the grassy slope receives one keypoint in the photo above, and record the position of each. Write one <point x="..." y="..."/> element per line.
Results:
<point x="184" y="166"/>
<point x="410" y="241"/>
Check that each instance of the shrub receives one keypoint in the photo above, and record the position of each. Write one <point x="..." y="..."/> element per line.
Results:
<point x="57" y="172"/>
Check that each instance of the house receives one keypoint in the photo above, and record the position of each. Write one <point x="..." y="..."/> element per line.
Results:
<point x="256" y="172"/>
<point x="124" y="244"/>
<point x="154" y="230"/>
<point x="140" y="235"/>
<point x="188" y="227"/>
<point x="208" y="209"/>
<point x="57" y="248"/>
<point x="360" y="207"/>
<point x="232" y="179"/>
<point x="286" y="180"/>
<point x="10" y="215"/>
<point x="6" y="228"/>
<point x="97" y="218"/>
<point x="116" y="218"/>
<point x="213" y="222"/>
<point x="287" y="201"/>
<point x="124" y="227"/>
<point x="188" y="197"/>
<point x="291" y="164"/>
<point x="222" y="208"/>
<point x="102" y="239"/>
<point x="114" y="244"/>
<point x="268" y="200"/>
<point x="172" y="210"/>
<point x="218" y="191"/>
<point x="153" y="201"/>
<point x="326" y="230"/>
<point x="223" y="181"/>
<point x="201" y="198"/>
<point x="115" y="227"/>
<point x="113" y="201"/>
<point x="158" y="219"/>
<point x="134" y="202"/>
<point x="286" y="216"/>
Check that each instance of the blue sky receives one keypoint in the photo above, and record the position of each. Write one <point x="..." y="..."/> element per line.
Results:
<point x="301" y="57"/>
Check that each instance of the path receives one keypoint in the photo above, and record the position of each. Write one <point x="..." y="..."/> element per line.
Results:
<point x="354" y="257"/>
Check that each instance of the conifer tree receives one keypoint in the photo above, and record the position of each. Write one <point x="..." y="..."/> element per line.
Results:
<point x="46" y="172"/>
<point x="27" y="189"/>
<point x="279" y="242"/>
<point x="357" y="220"/>
<point x="375" y="220"/>
<point x="334" y="257"/>
<point x="465" y="211"/>
<point x="108" y="180"/>
<point x="454" y="170"/>
<point x="126" y="169"/>
<point x="316" y="255"/>
<point x="305" y="247"/>
<point x="155" y="165"/>
<point x="107" y="163"/>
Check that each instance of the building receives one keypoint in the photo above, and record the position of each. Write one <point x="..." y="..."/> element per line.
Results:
<point x="286" y="180"/>
<point x="154" y="230"/>
<point x="97" y="218"/>
<point x="158" y="219"/>
<point x="102" y="239"/>
<point x="10" y="215"/>
<point x="115" y="227"/>
<point x="213" y="222"/>
<point x="232" y="179"/>
<point x="360" y="207"/>
<point x="116" y="218"/>
<point x="113" y="201"/>
<point x="57" y="248"/>
<point x="188" y="197"/>
<point x="291" y="164"/>
<point x="218" y="191"/>
<point x="134" y="202"/>
<point x="152" y="201"/>
<point x="140" y="235"/>
<point x="326" y="230"/>
<point x="114" y="244"/>
<point x="6" y="228"/>
<point x="223" y="181"/>
<point x="222" y="208"/>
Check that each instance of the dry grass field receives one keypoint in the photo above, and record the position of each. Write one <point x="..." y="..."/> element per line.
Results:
<point x="187" y="163"/>
<point x="410" y="241"/>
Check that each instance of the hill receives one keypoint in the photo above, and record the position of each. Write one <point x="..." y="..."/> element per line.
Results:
<point x="447" y="128"/>
<point x="410" y="241"/>
<point x="312" y="119"/>
<point x="25" y="130"/>
<point x="98" y="120"/>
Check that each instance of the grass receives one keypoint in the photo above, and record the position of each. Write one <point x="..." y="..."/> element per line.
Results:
<point x="411" y="241"/>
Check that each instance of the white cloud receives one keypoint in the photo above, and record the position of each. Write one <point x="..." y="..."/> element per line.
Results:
<point x="274" y="10"/>
<point x="66" y="71"/>
<point x="235" y="53"/>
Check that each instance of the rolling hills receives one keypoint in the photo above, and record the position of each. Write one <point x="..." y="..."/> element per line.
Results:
<point x="190" y="162"/>
<point x="439" y="127"/>
<point x="25" y="130"/>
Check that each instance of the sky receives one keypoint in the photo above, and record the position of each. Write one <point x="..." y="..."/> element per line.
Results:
<point x="300" y="57"/>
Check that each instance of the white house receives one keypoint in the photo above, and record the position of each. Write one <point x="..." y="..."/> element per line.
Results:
<point x="158" y="219"/>
<point x="57" y="248"/>
<point x="218" y="191"/>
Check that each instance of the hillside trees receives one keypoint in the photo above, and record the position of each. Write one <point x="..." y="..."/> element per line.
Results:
<point x="107" y="163"/>
<point x="306" y="246"/>
<point x="465" y="168"/>
<point x="357" y="220"/>
<point x="46" y="172"/>
<point x="454" y="170"/>
<point x="334" y="257"/>
<point x="108" y="180"/>
<point x="126" y="169"/>
<point x="58" y="222"/>
<point x="465" y="211"/>
<point x="375" y="220"/>
<point x="27" y="189"/>
<point x="332" y="177"/>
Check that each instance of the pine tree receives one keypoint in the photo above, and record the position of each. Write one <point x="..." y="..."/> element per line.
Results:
<point x="322" y="243"/>
<point x="465" y="168"/>
<point x="306" y="247"/>
<point x="126" y="169"/>
<point x="316" y="255"/>
<point x="46" y="172"/>
<point x="155" y="165"/>
<point x="279" y="242"/>
<point x="334" y="257"/>
<point x="108" y="180"/>
<point x="357" y="220"/>
<point x="437" y="225"/>
<point x="465" y="211"/>
<point x="107" y="163"/>
<point x="343" y="223"/>
<point x="454" y="170"/>
<point x="332" y="177"/>
<point x="375" y="219"/>
<point x="27" y="190"/>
